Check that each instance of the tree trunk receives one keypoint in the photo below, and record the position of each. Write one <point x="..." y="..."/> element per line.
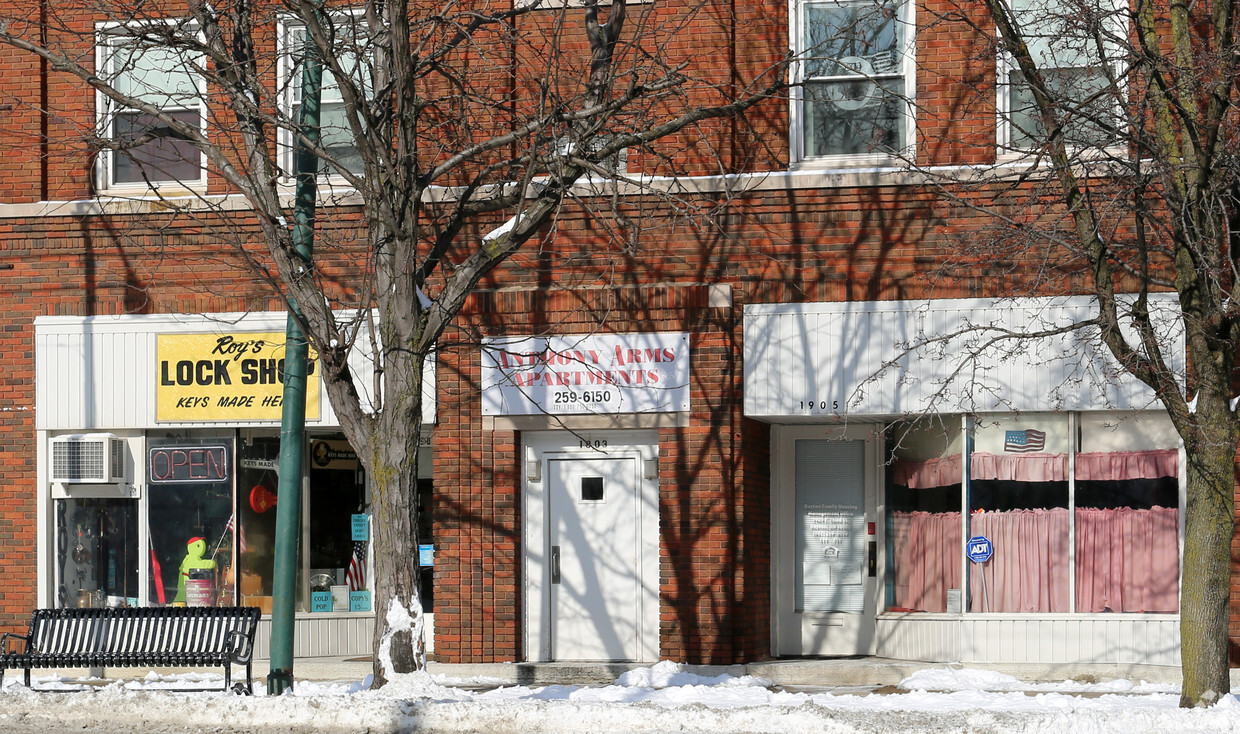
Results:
<point x="1205" y="588"/>
<point x="397" y="605"/>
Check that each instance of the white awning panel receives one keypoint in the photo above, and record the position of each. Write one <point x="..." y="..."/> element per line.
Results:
<point x="944" y="356"/>
<point x="100" y="372"/>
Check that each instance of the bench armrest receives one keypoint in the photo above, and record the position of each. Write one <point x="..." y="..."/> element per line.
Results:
<point x="4" y="642"/>
<point x="240" y="647"/>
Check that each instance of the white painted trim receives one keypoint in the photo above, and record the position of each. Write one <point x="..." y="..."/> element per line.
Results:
<point x="809" y="177"/>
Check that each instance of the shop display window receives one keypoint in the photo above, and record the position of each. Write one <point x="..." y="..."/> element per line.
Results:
<point x="257" y="485"/>
<point x="190" y="512"/>
<point x="97" y="552"/>
<point x="1018" y="499"/>
<point x="1127" y="516"/>
<point x="1034" y="484"/>
<point x="332" y="549"/>
<point x="923" y="522"/>
<point x="339" y="534"/>
<point x="209" y="498"/>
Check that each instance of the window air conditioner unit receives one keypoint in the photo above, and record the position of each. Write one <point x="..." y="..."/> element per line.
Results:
<point x="88" y="458"/>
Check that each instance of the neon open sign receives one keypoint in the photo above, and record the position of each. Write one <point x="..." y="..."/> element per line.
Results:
<point x="188" y="464"/>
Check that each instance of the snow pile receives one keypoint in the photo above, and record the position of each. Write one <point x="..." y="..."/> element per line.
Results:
<point x="971" y="679"/>
<point x="666" y="697"/>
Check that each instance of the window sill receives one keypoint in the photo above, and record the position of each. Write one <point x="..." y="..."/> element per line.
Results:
<point x="142" y="192"/>
<point x="1049" y="616"/>
<point x="850" y="163"/>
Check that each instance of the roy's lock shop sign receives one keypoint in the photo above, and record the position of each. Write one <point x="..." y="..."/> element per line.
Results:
<point x="225" y="377"/>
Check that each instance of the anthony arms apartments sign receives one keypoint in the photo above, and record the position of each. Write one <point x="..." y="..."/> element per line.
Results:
<point x="586" y="373"/>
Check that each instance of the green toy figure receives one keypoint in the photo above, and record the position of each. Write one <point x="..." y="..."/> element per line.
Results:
<point x="194" y="548"/>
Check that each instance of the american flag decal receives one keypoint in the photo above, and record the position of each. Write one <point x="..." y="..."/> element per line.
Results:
<point x="1024" y="441"/>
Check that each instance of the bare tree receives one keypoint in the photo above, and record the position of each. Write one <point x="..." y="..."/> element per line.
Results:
<point x="1121" y="122"/>
<point x="458" y="129"/>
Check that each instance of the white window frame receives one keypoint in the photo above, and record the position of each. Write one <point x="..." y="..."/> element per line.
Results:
<point x="289" y="88"/>
<point x="797" y="74"/>
<point x="107" y="36"/>
<point x="1006" y="66"/>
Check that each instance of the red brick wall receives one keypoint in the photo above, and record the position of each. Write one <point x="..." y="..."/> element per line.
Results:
<point x="713" y="518"/>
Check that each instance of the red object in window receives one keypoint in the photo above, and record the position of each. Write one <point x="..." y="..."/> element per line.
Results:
<point x="262" y="499"/>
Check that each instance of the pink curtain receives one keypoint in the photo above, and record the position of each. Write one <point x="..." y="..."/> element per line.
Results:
<point x="927" y="559"/>
<point x="1019" y="467"/>
<point x="1127" y="560"/>
<point x="1122" y="465"/>
<point x="1029" y="569"/>
<point x="926" y="474"/>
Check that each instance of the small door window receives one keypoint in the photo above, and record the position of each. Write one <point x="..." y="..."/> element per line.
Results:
<point x="591" y="489"/>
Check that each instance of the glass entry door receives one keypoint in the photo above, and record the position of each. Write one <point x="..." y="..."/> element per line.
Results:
<point x="826" y="542"/>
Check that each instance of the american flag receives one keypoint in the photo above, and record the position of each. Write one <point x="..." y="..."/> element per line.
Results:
<point x="356" y="575"/>
<point x="1024" y="441"/>
<point x="228" y="528"/>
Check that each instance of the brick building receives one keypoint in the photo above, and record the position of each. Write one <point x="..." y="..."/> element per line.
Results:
<point x="668" y="438"/>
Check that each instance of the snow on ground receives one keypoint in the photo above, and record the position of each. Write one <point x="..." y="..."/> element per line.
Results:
<point x="663" y="698"/>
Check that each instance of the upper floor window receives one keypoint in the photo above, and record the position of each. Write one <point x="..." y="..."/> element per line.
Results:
<point x="1076" y="49"/>
<point x="854" y="70"/>
<point x="144" y="150"/>
<point x="336" y="135"/>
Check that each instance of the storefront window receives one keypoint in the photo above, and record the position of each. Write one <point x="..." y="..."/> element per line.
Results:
<point x="1018" y="499"/>
<point x="1127" y="516"/>
<point x="426" y="540"/>
<point x="257" y="485"/>
<point x="209" y="498"/>
<point x="332" y="552"/>
<point x="923" y="528"/>
<point x="97" y="552"/>
<point x="190" y="485"/>
<point x="1034" y="483"/>
<point x="338" y="545"/>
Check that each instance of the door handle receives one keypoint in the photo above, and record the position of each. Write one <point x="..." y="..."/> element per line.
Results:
<point x="555" y="564"/>
<point x="873" y="560"/>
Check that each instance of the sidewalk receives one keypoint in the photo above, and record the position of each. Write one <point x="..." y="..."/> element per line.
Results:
<point x="820" y="674"/>
<point x="823" y="673"/>
<point x="833" y="696"/>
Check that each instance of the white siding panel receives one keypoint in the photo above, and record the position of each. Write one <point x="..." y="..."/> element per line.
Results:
<point x="1058" y="639"/>
<point x="99" y="373"/>
<point x="316" y="636"/>
<point x="895" y="357"/>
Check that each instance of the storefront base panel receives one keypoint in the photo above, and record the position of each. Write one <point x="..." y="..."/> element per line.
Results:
<point x="1048" y="639"/>
<point x="323" y="635"/>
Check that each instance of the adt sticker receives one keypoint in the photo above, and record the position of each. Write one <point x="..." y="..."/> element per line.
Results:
<point x="980" y="549"/>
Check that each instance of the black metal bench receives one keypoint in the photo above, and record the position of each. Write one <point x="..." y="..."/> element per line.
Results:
<point x="133" y="637"/>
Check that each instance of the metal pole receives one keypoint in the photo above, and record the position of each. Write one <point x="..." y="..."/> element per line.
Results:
<point x="293" y="419"/>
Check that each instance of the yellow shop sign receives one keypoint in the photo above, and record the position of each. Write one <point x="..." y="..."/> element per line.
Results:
<point x="225" y="377"/>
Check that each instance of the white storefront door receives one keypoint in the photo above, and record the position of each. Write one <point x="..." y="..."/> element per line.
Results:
<point x="592" y="547"/>
<point x="826" y="542"/>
